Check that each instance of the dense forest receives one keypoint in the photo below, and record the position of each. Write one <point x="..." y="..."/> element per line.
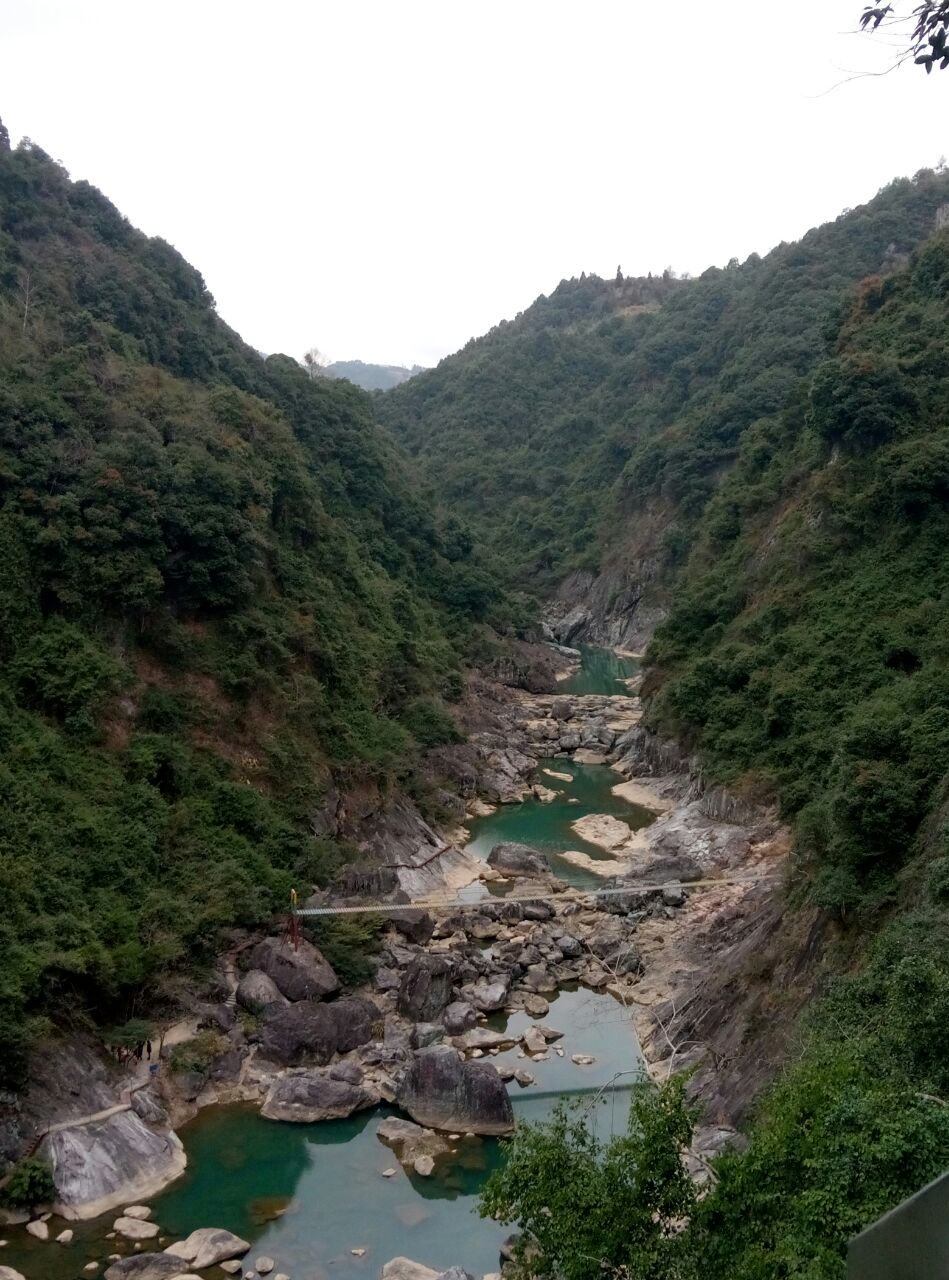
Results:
<point x="218" y="592"/>
<point x="779" y="427"/>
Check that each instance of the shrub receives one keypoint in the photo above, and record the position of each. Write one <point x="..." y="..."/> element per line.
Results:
<point x="30" y="1184"/>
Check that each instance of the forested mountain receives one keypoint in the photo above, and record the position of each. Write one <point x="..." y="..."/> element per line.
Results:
<point x="597" y="409"/>
<point x="213" y="573"/>
<point x="771" y="443"/>
<point x="371" y="377"/>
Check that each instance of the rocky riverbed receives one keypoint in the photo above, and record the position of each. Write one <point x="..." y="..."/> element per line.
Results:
<point x="275" y="1030"/>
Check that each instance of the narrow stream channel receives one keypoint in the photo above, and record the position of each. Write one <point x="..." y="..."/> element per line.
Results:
<point x="309" y="1194"/>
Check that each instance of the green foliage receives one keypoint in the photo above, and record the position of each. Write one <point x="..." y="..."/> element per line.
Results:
<point x="349" y="943"/>
<point x="197" y="1054"/>
<point x="219" y="595"/>
<point x="130" y="1034"/>
<point x="590" y="1206"/>
<point x="30" y="1183"/>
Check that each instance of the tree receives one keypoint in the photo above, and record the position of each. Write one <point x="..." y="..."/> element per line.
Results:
<point x="929" y="38"/>
<point x="315" y="362"/>
<point x="589" y="1207"/>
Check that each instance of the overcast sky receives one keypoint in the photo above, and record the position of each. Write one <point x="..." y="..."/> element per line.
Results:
<point x="386" y="180"/>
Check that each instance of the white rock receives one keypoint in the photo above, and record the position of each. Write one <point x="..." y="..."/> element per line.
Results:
<point x="358" y="1253"/>
<point x="424" y="1166"/>
<point x="582" y="1059"/>
<point x="280" y="1276"/>
<point x="232" y="1266"/>
<point x="134" y="1229"/>
<point x="140" y="1211"/>
<point x="91" y="1268"/>
<point x="406" y="1269"/>
<point x="533" y="1040"/>
<point x="388" y="1173"/>
<point x="38" y="1229"/>
<point x="208" y="1245"/>
<point x="65" y="1237"/>
<point x="7" y="1273"/>
<point x="265" y="1265"/>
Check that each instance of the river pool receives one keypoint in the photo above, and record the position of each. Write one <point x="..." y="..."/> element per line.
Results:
<point x="308" y="1195"/>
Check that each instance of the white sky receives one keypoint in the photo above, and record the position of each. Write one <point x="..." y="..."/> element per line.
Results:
<point x="387" y="179"/>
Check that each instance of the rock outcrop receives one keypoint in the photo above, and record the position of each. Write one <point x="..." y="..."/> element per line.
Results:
<point x="442" y="1091"/>
<point x="296" y="1033"/>
<point x="207" y="1247"/>
<point x="145" y="1266"/>
<point x="300" y="973"/>
<point x="315" y="1095"/>
<point x="109" y="1163"/>
<point x="511" y="858"/>
<point x="426" y="988"/>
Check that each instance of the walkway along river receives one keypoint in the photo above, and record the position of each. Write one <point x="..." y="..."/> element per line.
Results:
<point x="329" y="1198"/>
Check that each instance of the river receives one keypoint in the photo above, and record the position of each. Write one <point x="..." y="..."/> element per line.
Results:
<point x="307" y="1195"/>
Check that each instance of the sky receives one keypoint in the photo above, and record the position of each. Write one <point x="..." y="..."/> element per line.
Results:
<point x="385" y="180"/>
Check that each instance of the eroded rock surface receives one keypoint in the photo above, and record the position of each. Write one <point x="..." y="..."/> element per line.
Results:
<point x="442" y="1091"/>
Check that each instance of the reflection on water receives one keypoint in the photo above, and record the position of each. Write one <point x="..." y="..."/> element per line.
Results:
<point x="324" y="1181"/>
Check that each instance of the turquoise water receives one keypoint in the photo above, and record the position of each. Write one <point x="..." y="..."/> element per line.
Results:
<point x="601" y="671"/>
<point x="545" y="824"/>
<point x="308" y="1195"/>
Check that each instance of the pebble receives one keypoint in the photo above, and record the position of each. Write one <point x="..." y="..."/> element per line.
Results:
<point x="91" y="1268"/>
<point x="139" y="1211"/>
<point x="65" y="1237"/>
<point x="264" y="1265"/>
<point x="280" y="1276"/>
<point x="424" y="1166"/>
<point x="388" y="1173"/>
<point x="358" y="1253"/>
<point x="232" y="1267"/>
<point x="582" y="1059"/>
<point x="38" y="1229"/>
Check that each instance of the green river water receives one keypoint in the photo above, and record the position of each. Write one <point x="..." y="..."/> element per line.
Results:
<point x="309" y="1194"/>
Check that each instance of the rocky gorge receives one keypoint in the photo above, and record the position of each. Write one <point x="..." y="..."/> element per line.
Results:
<point x="272" y="1029"/>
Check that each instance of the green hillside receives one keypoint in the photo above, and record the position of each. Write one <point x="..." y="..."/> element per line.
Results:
<point x="779" y="430"/>
<point x="218" y="592"/>
<point x="371" y="377"/>
<point x="609" y="402"/>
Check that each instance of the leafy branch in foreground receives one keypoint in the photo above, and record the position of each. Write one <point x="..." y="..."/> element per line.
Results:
<point x="592" y="1207"/>
<point x="928" y="41"/>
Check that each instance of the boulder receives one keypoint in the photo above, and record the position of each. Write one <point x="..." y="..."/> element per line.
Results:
<point x="417" y="926"/>
<point x="411" y="1142"/>
<point x="315" y="1095"/>
<point x="147" y="1107"/>
<point x="487" y="997"/>
<point x="426" y="986"/>
<point x="459" y="1017"/>
<point x="135" y="1229"/>
<point x="455" y="1273"/>
<point x="140" y="1211"/>
<point x="145" y="1266"/>
<point x="39" y="1229"/>
<point x="7" y="1273"/>
<point x="426" y="1033"/>
<point x="561" y="709"/>
<point x="406" y="1269"/>
<point x="300" y="973"/>
<point x="111" y="1162"/>
<point x="568" y="945"/>
<point x="511" y="858"/>
<point x="295" y="1033"/>
<point x="357" y="1021"/>
<point x="442" y="1091"/>
<point x="206" y="1247"/>
<point x="264" y="1265"/>
<point x="673" y="896"/>
<point x="256" y="991"/>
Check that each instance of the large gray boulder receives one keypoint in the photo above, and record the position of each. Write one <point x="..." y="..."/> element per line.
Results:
<point x="425" y="989"/>
<point x="297" y="1033"/>
<point x="208" y="1246"/>
<point x="256" y="990"/>
<point x="459" y="1017"/>
<point x="300" y="973"/>
<point x="487" y="997"/>
<point x="144" y="1266"/>
<point x="357" y="1021"/>
<point x="442" y="1091"/>
<point x="315" y="1095"/>
<point x="416" y="925"/>
<point x="511" y="858"/>
<point x="111" y="1162"/>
